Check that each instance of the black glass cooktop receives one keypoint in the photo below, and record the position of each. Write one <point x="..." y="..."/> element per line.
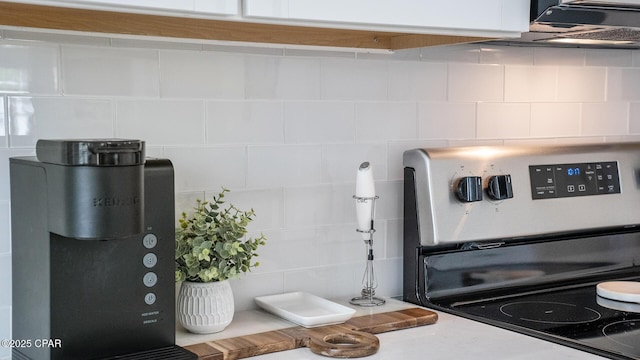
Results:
<point x="576" y="317"/>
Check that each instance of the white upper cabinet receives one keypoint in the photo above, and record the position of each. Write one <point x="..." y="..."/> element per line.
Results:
<point x="164" y="7"/>
<point x="368" y="24"/>
<point x="494" y="18"/>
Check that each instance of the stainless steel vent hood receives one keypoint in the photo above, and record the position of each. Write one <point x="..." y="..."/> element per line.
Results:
<point x="583" y="23"/>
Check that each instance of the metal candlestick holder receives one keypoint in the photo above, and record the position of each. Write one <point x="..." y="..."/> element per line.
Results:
<point x="369" y="283"/>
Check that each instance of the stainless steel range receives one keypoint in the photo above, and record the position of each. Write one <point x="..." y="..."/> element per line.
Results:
<point x="520" y="237"/>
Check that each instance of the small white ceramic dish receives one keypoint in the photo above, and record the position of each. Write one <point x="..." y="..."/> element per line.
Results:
<point x="305" y="309"/>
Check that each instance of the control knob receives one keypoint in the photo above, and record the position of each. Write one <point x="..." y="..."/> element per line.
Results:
<point x="499" y="187"/>
<point x="469" y="189"/>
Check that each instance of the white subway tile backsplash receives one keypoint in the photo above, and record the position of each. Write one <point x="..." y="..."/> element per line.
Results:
<point x="334" y="204"/>
<point x="389" y="276"/>
<point x="503" y="120"/>
<point x="33" y="118"/>
<point x="185" y="202"/>
<point x="614" y="90"/>
<point x="21" y="122"/>
<point x="446" y="120"/>
<point x="379" y="121"/>
<point x="605" y="118"/>
<point x="583" y="140"/>
<point x="252" y="285"/>
<point x="340" y="162"/>
<point x="395" y="241"/>
<point x="248" y="122"/>
<point x="321" y="53"/>
<point x="5" y="280"/>
<point x="289" y="165"/>
<point x="634" y="118"/>
<point x="153" y="121"/>
<point x="311" y="247"/>
<point x="29" y="69"/>
<point x="319" y="205"/>
<point x="559" y="56"/>
<point x="422" y="81"/>
<point x="268" y="205"/>
<point x="353" y="79"/>
<point x="623" y="84"/>
<point x="349" y="240"/>
<point x="318" y="122"/>
<point x="198" y="168"/>
<point x="491" y="54"/>
<point x="530" y="83"/>
<point x="390" y="203"/>
<point x="5" y="331"/>
<point x="239" y="49"/>
<point x="271" y="254"/>
<point x="476" y="82"/>
<point x="396" y="55"/>
<point x="295" y="78"/>
<point x="555" y="119"/>
<point x="279" y="255"/>
<point x="603" y="57"/>
<point x="635" y="58"/>
<point x="342" y="281"/>
<point x="5" y="154"/>
<point x="141" y="43"/>
<point x="582" y="84"/>
<point x="346" y="281"/>
<point x="285" y="130"/>
<point x="463" y="53"/>
<point x="110" y="71"/>
<point x="4" y="124"/>
<point x="5" y="226"/>
<point x="479" y="142"/>
<point x="209" y="75"/>
<point x="153" y="151"/>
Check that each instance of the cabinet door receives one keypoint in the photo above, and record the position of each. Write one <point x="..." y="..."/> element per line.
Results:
<point x="222" y="7"/>
<point x="167" y="7"/>
<point x="440" y="15"/>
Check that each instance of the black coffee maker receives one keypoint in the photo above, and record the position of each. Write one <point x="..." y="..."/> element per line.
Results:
<point x="93" y="252"/>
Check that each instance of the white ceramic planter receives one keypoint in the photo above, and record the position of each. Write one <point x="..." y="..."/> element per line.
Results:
<point x="205" y="308"/>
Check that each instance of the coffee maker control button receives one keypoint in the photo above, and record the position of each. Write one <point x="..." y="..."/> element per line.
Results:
<point x="150" y="279"/>
<point x="150" y="299"/>
<point x="150" y="260"/>
<point x="150" y="241"/>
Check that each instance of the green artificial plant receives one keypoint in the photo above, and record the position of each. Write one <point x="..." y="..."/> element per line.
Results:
<point x="210" y="244"/>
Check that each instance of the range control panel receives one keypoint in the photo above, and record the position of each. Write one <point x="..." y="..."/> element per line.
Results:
<point x="578" y="179"/>
<point x="489" y="193"/>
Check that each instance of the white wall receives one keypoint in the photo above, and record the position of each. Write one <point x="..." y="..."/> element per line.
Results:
<point x="286" y="130"/>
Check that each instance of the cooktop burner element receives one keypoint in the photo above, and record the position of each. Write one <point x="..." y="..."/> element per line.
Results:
<point x="573" y="314"/>
<point x="624" y="333"/>
<point x="549" y="312"/>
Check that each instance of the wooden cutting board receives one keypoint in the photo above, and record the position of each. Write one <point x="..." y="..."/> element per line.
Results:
<point x="349" y="340"/>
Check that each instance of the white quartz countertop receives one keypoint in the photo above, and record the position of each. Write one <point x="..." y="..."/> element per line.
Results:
<point x="451" y="337"/>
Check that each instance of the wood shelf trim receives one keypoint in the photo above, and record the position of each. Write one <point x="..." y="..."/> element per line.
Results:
<point x="113" y="22"/>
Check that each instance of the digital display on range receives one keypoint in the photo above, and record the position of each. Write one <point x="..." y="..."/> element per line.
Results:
<point x="569" y="180"/>
<point x="573" y="171"/>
